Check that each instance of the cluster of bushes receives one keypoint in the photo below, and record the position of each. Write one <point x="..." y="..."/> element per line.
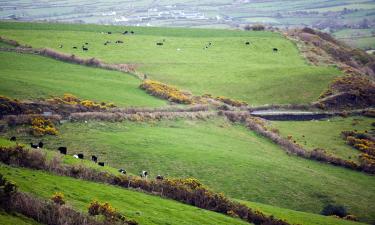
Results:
<point x="10" y="106"/>
<point x="360" y="141"/>
<point x="73" y="100"/>
<point x="140" y="116"/>
<point x="337" y="211"/>
<point x="349" y="91"/>
<point x="41" y="126"/>
<point x="110" y="214"/>
<point x="364" y="143"/>
<point x="259" y="125"/>
<point x="188" y="191"/>
<point x="165" y="91"/>
<point x="231" y="102"/>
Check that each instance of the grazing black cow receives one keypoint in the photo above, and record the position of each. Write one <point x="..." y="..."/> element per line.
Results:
<point x="209" y="43"/>
<point x="62" y="150"/>
<point x="86" y="43"/>
<point x="119" y="42"/>
<point x="75" y="47"/>
<point x="34" y="146"/>
<point x="101" y="163"/>
<point x="80" y="156"/>
<point x="94" y="158"/>
<point x="144" y="174"/>
<point x="123" y="171"/>
<point x="247" y="43"/>
<point x="84" y="48"/>
<point x="107" y="42"/>
<point x="109" y="32"/>
<point x="40" y="144"/>
<point x="132" y="32"/>
<point x="159" y="177"/>
<point x="13" y="138"/>
<point x="144" y="76"/>
<point x="125" y="32"/>
<point x="275" y="50"/>
<point x="159" y="43"/>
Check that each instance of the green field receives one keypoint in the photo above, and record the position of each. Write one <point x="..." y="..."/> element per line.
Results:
<point x="31" y="77"/>
<point x="297" y="217"/>
<point x="226" y="157"/>
<point x="325" y="134"/>
<point x="291" y="216"/>
<point x="251" y="73"/>
<point x="146" y="209"/>
<point x="16" y="219"/>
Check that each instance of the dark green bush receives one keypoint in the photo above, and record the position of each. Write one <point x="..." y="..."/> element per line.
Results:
<point x="338" y="210"/>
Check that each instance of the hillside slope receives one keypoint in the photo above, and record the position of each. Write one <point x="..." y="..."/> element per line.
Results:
<point x="235" y="155"/>
<point x="31" y="77"/>
<point x="201" y="61"/>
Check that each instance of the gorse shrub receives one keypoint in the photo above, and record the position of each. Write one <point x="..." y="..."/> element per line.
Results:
<point x="58" y="198"/>
<point x="337" y="210"/>
<point x="41" y="127"/>
<point x="165" y="91"/>
<point x="96" y="208"/>
<point x="70" y="99"/>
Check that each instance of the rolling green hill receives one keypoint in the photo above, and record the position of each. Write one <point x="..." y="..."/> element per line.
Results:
<point x="145" y="209"/>
<point x="253" y="73"/>
<point x="291" y="216"/>
<point x="228" y="158"/>
<point x="31" y="77"/>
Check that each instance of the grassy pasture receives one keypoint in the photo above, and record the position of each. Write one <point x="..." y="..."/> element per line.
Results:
<point x="226" y="157"/>
<point x="325" y="133"/>
<point x="253" y="73"/>
<point x="146" y="209"/>
<point x="31" y="77"/>
<point x="294" y="217"/>
<point x="6" y="219"/>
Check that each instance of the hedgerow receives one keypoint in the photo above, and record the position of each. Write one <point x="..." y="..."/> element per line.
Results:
<point x="189" y="191"/>
<point x="70" y="99"/>
<point x="165" y="91"/>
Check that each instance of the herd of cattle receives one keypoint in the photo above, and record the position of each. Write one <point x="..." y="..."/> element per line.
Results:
<point x="94" y="158"/>
<point x="158" y="43"/>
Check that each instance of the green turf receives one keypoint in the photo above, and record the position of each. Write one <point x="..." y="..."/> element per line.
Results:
<point x="146" y="209"/>
<point x="15" y="219"/>
<point x="30" y="77"/>
<point x="228" y="158"/>
<point x="291" y="216"/>
<point x="325" y="134"/>
<point x="251" y="73"/>
<point x="297" y="217"/>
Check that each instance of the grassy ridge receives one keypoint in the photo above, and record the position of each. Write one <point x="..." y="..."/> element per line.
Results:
<point x="146" y="209"/>
<point x="226" y="157"/>
<point x="31" y="77"/>
<point x="253" y="73"/>
<point x="325" y="133"/>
